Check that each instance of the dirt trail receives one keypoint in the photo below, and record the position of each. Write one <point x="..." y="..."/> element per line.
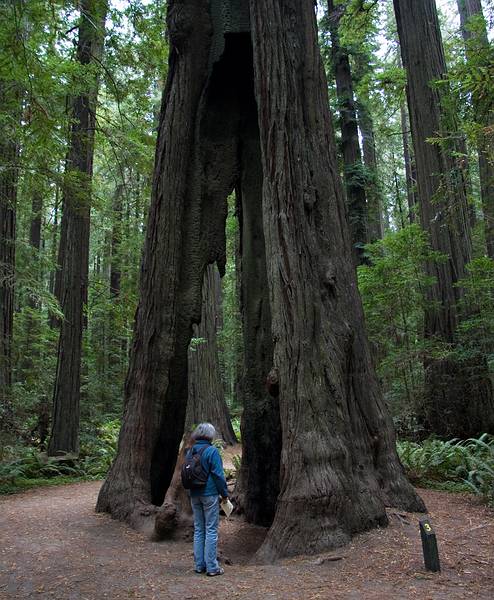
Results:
<point x="53" y="545"/>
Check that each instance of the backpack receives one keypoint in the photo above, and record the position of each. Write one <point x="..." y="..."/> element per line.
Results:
<point x="192" y="472"/>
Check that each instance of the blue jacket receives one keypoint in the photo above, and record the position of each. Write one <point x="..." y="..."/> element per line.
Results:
<point x="211" y="463"/>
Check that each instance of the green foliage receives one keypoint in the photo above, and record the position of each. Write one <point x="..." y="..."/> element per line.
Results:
<point x="237" y="463"/>
<point x="476" y="331"/>
<point x="394" y="287"/>
<point x="30" y="467"/>
<point x="454" y="465"/>
<point x="236" y="429"/>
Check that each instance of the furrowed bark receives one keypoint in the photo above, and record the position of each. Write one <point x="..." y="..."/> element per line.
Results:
<point x="195" y="170"/>
<point x="339" y="466"/>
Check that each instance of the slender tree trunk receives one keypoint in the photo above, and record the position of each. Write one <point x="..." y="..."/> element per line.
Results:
<point x="476" y="39"/>
<point x="53" y="243"/>
<point x="410" y="174"/>
<point x="350" y="147"/>
<point x="116" y="241"/>
<point x="115" y="340"/>
<point x="75" y="242"/>
<point x="458" y="394"/>
<point x="373" y="192"/>
<point x="31" y="325"/>
<point x="35" y="238"/>
<point x="206" y="399"/>
<point x="338" y="463"/>
<point x="364" y="67"/>
<point x="36" y="218"/>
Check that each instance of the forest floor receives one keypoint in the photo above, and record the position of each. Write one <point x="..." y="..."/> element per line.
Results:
<point x="53" y="545"/>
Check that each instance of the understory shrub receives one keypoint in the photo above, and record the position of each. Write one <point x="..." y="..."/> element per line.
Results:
<point x="455" y="464"/>
<point x="32" y="467"/>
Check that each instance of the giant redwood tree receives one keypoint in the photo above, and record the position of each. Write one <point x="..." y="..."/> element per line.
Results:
<point x="237" y="76"/>
<point x="74" y="242"/>
<point x="458" y="393"/>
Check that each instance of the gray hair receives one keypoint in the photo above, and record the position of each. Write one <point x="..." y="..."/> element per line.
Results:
<point x="204" y="431"/>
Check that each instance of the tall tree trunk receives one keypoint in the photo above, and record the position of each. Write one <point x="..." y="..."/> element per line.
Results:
<point x="10" y="103"/>
<point x="410" y="171"/>
<point x="75" y="242"/>
<point x="9" y="174"/>
<point x="363" y="68"/>
<point x="373" y="192"/>
<point x="350" y="146"/>
<point x="31" y="324"/>
<point x="338" y="465"/>
<point x="476" y="39"/>
<point x="458" y="394"/>
<point x="206" y="398"/>
<point x="115" y="340"/>
<point x="35" y="242"/>
<point x="116" y="241"/>
<point x="53" y="243"/>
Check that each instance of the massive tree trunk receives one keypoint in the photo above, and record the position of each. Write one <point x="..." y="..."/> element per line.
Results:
<point x="338" y="463"/>
<point x="458" y="394"/>
<point x="350" y="147"/>
<point x="206" y="398"/>
<point x="476" y="43"/>
<point x="195" y="168"/>
<point x="75" y="241"/>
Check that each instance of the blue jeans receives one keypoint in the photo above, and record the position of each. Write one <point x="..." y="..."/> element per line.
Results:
<point x="206" y="511"/>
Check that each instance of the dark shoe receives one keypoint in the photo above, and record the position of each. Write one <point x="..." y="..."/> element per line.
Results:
<point x="199" y="571"/>
<point x="220" y="571"/>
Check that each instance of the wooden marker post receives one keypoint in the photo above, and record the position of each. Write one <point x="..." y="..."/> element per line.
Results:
<point x="429" y="546"/>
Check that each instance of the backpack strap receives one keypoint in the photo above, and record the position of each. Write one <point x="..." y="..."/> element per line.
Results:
<point x="199" y="453"/>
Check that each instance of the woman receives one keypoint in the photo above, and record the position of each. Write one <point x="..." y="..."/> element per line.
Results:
<point x="205" y="501"/>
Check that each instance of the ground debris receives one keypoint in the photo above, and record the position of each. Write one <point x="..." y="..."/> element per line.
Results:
<point x="321" y="560"/>
<point x="54" y="546"/>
